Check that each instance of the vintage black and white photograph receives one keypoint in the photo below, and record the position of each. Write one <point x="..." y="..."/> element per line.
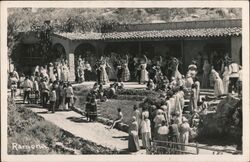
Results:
<point x="124" y="80"/>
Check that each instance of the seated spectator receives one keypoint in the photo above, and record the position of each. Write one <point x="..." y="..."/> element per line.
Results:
<point x="150" y="85"/>
<point x="112" y="91"/>
<point x="119" y="118"/>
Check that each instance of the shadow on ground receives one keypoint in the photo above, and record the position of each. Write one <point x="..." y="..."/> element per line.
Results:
<point x="77" y="119"/>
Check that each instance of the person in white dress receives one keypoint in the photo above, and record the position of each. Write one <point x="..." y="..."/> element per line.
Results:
<point x="225" y="79"/>
<point x="218" y="85"/>
<point x="146" y="132"/>
<point x="144" y="72"/>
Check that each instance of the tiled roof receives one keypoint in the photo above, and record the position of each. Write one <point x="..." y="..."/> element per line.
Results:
<point x="155" y="34"/>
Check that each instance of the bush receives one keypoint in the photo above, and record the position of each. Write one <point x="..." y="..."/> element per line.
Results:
<point x="152" y="100"/>
<point x="27" y="128"/>
<point x="138" y="92"/>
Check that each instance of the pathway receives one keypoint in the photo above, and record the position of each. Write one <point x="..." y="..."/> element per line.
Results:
<point x="91" y="131"/>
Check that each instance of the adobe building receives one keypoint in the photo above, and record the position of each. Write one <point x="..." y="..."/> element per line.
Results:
<point x="184" y="40"/>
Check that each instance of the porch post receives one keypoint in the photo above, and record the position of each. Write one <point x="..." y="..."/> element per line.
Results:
<point x="71" y="60"/>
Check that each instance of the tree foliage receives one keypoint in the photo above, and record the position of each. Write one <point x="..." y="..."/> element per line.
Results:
<point x="99" y="19"/>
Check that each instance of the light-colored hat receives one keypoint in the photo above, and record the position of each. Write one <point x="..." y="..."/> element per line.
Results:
<point x="184" y="119"/>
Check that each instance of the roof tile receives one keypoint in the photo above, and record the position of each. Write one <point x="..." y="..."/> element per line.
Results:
<point x="160" y="34"/>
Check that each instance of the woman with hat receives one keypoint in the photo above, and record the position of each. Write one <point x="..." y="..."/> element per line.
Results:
<point x="184" y="132"/>
<point x="158" y="120"/>
<point x="133" y="139"/>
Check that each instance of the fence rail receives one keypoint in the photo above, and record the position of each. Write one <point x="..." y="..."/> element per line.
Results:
<point x="177" y="148"/>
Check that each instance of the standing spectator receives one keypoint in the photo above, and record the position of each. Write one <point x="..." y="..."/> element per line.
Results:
<point x="145" y="131"/>
<point x="158" y="121"/>
<point x="163" y="133"/>
<point x="45" y="93"/>
<point x="87" y="110"/>
<point x="174" y="135"/>
<point x="52" y="100"/>
<point x="137" y="114"/>
<point x="69" y="95"/>
<point x="36" y="90"/>
<point x="233" y="76"/>
<point x="133" y="139"/>
<point x="119" y="119"/>
<point x="13" y="84"/>
<point x="27" y="86"/>
<point x="92" y="109"/>
<point x="184" y="132"/>
<point x="64" y="72"/>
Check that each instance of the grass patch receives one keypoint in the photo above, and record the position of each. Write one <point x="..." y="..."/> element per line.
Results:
<point x="26" y="128"/>
<point x="109" y="109"/>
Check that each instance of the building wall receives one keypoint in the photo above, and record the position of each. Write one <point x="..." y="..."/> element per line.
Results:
<point x="236" y="44"/>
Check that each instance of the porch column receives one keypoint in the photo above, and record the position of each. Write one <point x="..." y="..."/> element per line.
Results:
<point x="71" y="61"/>
<point x="236" y="43"/>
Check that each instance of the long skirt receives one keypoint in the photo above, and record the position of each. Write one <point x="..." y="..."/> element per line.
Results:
<point x="125" y="74"/>
<point x="133" y="143"/>
<point x="205" y="80"/>
<point x="104" y="77"/>
<point x="184" y="140"/>
<point x="146" y="139"/>
<point x="218" y="87"/>
<point x="225" y="86"/>
<point x="144" y="75"/>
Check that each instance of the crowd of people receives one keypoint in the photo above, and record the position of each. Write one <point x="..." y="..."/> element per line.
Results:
<point x="48" y="86"/>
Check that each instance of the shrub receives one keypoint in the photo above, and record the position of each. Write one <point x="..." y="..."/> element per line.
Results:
<point x="138" y="92"/>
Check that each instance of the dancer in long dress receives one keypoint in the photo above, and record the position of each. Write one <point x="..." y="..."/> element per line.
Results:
<point x="145" y="131"/>
<point x="218" y="84"/>
<point x="64" y="72"/>
<point x="103" y="75"/>
<point x="125" y="70"/>
<point x="226" y="80"/>
<point x="205" y="76"/>
<point x="133" y="139"/>
<point x="144" y="73"/>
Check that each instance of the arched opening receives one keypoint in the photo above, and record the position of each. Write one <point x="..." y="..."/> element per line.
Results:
<point x="87" y="52"/>
<point x="58" y="52"/>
